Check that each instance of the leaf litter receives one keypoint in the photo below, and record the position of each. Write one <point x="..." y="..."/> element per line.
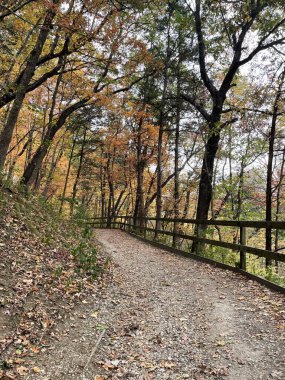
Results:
<point x="152" y="316"/>
<point x="40" y="283"/>
<point x="206" y="324"/>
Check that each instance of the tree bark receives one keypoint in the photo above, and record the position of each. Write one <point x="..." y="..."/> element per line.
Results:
<point x="32" y="169"/>
<point x="278" y="201"/>
<point x="161" y="122"/>
<point x="68" y="171"/>
<point x="75" y="185"/>
<point x="56" y="156"/>
<point x="103" y="185"/>
<point x="187" y="197"/>
<point x="109" y="171"/>
<point x="176" y="192"/>
<point x="139" y="200"/>
<point x="205" y="185"/>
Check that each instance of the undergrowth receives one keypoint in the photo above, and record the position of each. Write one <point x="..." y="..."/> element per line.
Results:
<point x="42" y="219"/>
<point x="86" y="256"/>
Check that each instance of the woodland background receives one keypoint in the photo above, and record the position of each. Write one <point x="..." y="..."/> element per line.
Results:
<point x="161" y="108"/>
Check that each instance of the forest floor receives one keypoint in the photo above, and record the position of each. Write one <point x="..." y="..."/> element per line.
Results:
<point x="44" y="277"/>
<point x="167" y="317"/>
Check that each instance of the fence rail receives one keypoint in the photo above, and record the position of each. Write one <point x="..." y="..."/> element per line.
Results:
<point x="155" y="229"/>
<point x="227" y="223"/>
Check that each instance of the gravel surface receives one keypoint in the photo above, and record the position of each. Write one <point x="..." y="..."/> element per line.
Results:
<point x="167" y="317"/>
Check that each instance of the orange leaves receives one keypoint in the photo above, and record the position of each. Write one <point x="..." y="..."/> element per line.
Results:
<point x="151" y="132"/>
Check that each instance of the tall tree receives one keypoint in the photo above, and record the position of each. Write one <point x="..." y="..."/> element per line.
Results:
<point x="271" y="142"/>
<point x="234" y="23"/>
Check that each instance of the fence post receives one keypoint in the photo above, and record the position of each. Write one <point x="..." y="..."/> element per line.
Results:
<point x="130" y="223"/>
<point x="145" y="227"/>
<point x="174" y="240"/>
<point x="197" y="245"/>
<point x="242" y="237"/>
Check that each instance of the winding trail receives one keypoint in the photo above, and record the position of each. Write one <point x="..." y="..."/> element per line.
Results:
<point x="168" y="317"/>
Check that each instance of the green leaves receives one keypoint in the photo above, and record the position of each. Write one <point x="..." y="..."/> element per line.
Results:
<point x="86" y="256"/>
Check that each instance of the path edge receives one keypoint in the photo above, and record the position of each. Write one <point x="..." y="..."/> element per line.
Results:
<point x="179" y="252"/>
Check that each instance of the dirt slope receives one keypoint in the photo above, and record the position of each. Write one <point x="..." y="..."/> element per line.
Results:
<point x="41" y="281"/>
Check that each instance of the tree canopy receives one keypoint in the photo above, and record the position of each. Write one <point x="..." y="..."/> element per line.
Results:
<point x="163" y="108"/>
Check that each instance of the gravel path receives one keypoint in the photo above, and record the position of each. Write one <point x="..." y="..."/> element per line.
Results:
<point x="168" y="317"/>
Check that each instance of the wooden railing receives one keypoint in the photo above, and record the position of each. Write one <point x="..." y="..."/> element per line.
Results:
<point x="173" y="233"/>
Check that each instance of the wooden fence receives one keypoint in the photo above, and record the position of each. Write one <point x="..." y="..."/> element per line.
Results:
<point x="177" y="232"/>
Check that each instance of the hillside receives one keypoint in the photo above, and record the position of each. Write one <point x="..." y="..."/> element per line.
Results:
<point x="48" y="266"/>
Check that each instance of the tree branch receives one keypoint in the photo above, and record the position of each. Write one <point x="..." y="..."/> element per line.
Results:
<point x="9" y="11"/>
<point x="196" y="105"/>
<point x="201" y="49"/>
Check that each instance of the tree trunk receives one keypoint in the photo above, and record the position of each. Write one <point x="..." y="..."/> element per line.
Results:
<point x="272" y="134"/>
<point x="205" y="191"/>
<point x="161" y="122"/>
<point x="187" y="198"/>
<point x="205" y="185"/>
<point x="30" y="141"/>
<point x="176" y="144"/>
<point x="103" y="186"/>
<point x="68" y="171"/>
<point x="111" y="189"/>
<point x="139" y="200"/>
<point x="32" y="169"/>
<point x="56" y="156"/>
<point x="75" y="185"/>
<point x="278" y="201"/>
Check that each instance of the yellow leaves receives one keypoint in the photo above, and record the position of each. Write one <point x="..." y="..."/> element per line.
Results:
<point x="107" y="101"/>
<point x="220" y="343"/>
<point x="151" y="131"/>
<point x="167" y="364"/>
<point x="37" y="370"/>
<point x="22" y="370"/>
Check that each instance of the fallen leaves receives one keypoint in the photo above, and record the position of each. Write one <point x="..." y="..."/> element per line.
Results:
<point x="37" y="370"/>
<point x="7" y="376"/>
<point x="220" y="343"/>
<point x="39" y="281"/>
<point x="22" y="371"/>
<point x="152" y="332"/>
<point x="167" y="364"/>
